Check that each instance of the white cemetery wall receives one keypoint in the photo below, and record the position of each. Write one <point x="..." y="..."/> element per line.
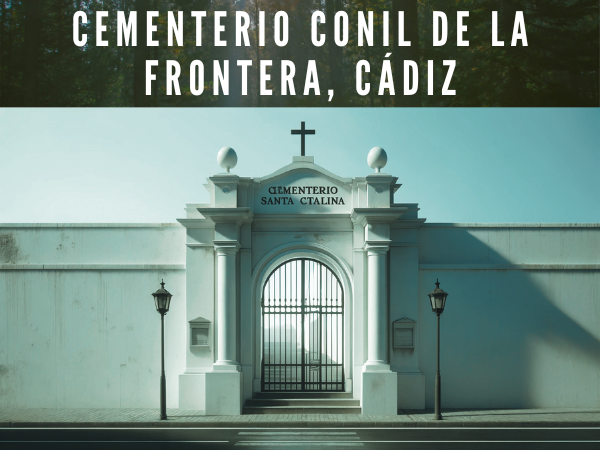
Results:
<point x="404" y="307"/>
<point x="521" y="326"/>
<point x="80" y="328"/>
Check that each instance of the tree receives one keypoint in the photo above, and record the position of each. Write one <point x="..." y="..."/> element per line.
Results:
<point x="411" y="34"/>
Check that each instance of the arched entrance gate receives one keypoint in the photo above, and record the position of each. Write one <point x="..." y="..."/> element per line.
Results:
<point x="302" y="328"/>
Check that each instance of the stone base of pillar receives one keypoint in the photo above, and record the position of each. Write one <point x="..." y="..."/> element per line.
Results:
<point x="223" y="393"/>
<point x="191" y="391"/>
<point x="411" y="390"/>
<point x="379" y="392"/>
<point x="226" y="366"/>
<point x="376" y="366"/>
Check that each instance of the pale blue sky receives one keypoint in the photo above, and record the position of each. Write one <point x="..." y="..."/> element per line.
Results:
<point x="460" y="165"/>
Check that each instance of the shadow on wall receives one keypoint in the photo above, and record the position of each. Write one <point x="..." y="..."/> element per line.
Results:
<point x="509" y="338"/>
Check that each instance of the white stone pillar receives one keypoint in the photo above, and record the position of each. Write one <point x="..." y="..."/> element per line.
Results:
<point x="379" y="383"/>
<point x="224" y="383"/>
<point x="377" y="308"/>
<point x="223" y="386"/>
<point x="379" y="390"/>
<point x="226" y="307"/>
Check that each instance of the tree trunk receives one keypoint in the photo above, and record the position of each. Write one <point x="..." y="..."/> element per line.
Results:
<point x="257" y="5"/>
<point x="411" y="33"/>
<point x="31" y="52"/>
<point x="8" y="95"/>
<point x="141" y="53"/>
<point x="365" y="5"/>
<point x="232" y="54"/>
<point x="3" y="15"/>
<point x="515" y="93"/>
<point x="335" y="54"/>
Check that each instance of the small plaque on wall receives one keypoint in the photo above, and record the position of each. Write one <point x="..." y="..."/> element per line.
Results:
<point x="199" y="336"/>
<point x="403" y="337"/>
<point x="404" y="333"/>
<point x="200" y="333"/>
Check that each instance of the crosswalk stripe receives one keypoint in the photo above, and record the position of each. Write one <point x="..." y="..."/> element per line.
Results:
<point x="296" y="433"/>
<point x="107" y="442"/>
<point x="300" y="444"/>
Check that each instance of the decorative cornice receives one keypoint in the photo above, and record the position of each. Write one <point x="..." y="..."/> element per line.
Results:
<point x="512" y="225"/>
<point x="377" y="246"/>
<point x="314" y="223"/>
<point x="405" y="320"/>
<point x="199" y="319"/>
<point x="227" y="247"/>
<point x="303" y="231"/>
<point x="89" y="225"/>
<point x="227" y="215"/>
<point x="98" y="267"/>
<point x="363" y="216"/>
<point x="225" y="178"/>
<point x="376" y="178"/>
<point x="296" y="167"/>
<point x="300" y="216"/>
<point x="195" y="223"/>
<point x="450" y="266"/>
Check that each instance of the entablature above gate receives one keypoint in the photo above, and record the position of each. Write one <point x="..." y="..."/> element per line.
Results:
<point x="292" y="198"/>
<point x="302" y="187"/>
<point x="302" y="223"/>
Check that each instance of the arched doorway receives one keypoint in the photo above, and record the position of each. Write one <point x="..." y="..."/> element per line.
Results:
<point x="302" y="308"/>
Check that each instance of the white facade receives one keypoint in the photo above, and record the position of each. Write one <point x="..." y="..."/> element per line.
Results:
<point x="521" y="326"/>
<point x="79" y="327"/>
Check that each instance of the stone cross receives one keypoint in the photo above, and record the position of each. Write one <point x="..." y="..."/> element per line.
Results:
<point x="302" y="132"/>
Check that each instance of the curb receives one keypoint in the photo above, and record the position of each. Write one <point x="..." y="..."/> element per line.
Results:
<point x="302" y="424"/>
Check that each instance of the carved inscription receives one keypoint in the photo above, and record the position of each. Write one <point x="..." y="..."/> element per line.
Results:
<point x="403" y="337"/>
<point x="311" y="195"/>
<point x="199" y="336"/>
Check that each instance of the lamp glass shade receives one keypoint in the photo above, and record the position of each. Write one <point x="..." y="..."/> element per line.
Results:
<point x="162" y="302"/>
<point x="162" y="299"/>
<point x="438" y="299"/>
<point x="439" y="302"/>
<point x="432" y="300"/>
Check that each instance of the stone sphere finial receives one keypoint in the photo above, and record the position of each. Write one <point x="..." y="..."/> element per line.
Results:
<point x="377" y="159"/>
<point x="227" y="158"/>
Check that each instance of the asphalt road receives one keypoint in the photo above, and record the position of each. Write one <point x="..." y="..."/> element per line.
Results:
<point x="299" y="438"/>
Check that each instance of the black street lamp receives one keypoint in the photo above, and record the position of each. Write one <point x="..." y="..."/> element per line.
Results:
<point x="162" y="300"/>
<point x="438" y="302"/>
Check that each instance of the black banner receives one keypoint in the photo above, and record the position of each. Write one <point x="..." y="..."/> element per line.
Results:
<point x="299" y="53"/>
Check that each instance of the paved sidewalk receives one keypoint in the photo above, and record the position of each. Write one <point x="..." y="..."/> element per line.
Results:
<point x="146" y="417"/>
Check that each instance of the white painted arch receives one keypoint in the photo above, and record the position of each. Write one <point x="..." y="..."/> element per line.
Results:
<point x="274" y="259"/>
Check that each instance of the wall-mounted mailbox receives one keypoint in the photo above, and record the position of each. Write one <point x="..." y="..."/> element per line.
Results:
<point x="404" y="333"/>
<point x="200" y="333"/>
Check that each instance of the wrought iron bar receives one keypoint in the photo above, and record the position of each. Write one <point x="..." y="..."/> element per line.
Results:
<point x="303" y="293"/>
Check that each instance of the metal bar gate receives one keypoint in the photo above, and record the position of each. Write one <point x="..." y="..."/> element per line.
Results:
<point x="302" y="328"/>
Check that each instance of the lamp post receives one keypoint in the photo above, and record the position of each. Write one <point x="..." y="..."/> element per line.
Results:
<point x="438" y="302"/>
<point x="162" y="300"/>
